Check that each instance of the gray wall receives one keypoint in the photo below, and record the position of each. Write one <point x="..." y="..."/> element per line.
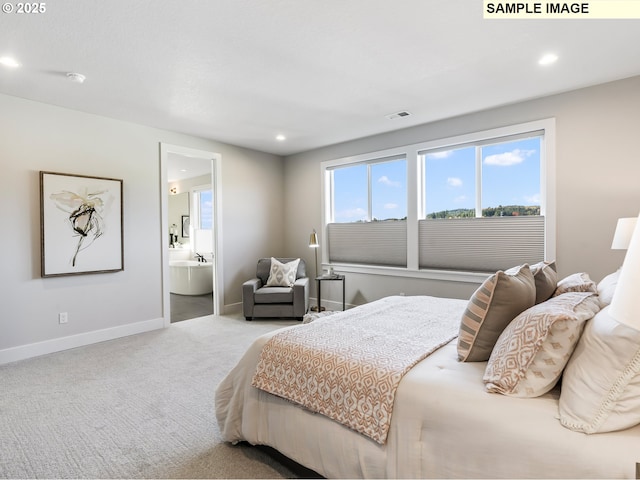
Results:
<point x="597" y="172"/>
<point x="36" y="136"/>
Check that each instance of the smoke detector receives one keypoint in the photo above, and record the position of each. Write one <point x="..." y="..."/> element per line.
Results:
<point x="401" y="114"/>
<point x="76" y="77"/>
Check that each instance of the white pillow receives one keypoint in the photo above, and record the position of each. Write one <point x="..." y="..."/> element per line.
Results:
<point x="532" y="351"/>
<point x="282" y="274"/>
<point x="607" y="287"/>
<point x="601" y="384"/>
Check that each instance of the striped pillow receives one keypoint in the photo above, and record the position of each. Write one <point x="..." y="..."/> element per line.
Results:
<point x="502" y="297"/>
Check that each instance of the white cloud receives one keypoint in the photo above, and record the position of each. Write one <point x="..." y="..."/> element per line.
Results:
<point x="533" y="199"/>
<point x="445" y="154"/>
<point x="507" y="159"/>
<point x="454" y="182"/>
<point x="460" y="199"/>
<point x="390" y="206"/>
<point x="352" y="214"/>
<point x="390" y="183"/>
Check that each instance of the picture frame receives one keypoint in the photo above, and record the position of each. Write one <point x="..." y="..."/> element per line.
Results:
<point x="186" y="223"/>
<point x="81" y="224"/>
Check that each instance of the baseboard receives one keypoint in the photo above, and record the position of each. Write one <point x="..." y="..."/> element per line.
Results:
<point x="232" y="308"/>
<point x="23" y="352"/>
<point x="330" y="304"/>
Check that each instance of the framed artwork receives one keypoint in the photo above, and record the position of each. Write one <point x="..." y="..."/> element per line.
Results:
<point x="81" y="226"/>
<point x="185" y="226"/>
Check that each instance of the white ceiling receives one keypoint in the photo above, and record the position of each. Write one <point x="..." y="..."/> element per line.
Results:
<point x="181" y="167"/>
<point x="318" y="71"/>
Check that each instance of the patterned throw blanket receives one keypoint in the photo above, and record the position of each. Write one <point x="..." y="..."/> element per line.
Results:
<point x="348" y="366"/>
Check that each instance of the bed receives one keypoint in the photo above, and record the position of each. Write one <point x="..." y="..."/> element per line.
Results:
<point x="444" y="423"/>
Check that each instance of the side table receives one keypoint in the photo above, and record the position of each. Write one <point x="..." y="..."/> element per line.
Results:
<point x="329" y="278"/>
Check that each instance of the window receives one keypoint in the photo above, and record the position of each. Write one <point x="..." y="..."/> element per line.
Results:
<point x="372" y="191"/>
<point x="202" y="218"/>
<point x="350" y="194"/>
<point x="453" y="208"/>
<point x="368" y="212"/>
<point x="202" y="208"/>
<point x="497" y="179"/>
<point x="482" y="205"/>
<point x="450" y="186"/>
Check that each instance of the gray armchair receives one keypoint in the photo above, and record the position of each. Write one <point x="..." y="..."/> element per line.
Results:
<point x="260" y="301"/>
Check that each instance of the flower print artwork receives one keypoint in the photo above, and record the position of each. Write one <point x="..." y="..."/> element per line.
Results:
<point x="81" y="224"/>
<point x="85" y="210"/>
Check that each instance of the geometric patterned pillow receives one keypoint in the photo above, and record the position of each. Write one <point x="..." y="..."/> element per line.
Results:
<point x="533" y="350"/>
<point x="282" y="274"/>
<point x="499" y="299"/>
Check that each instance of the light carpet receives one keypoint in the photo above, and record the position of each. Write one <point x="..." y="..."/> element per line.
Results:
<point x="136" y="407"/>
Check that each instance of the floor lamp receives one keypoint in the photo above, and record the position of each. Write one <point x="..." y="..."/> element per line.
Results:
<point x="313" y="243"/>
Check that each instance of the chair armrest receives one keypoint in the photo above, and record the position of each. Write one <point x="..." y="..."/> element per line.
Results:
<point x="301" y="297"/>
<point x="252" y="285"/>
<point x="248" y="289"/>
<point x="302" y="282"/>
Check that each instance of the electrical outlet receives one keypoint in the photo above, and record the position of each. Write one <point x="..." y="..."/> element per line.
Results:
<point x="63" y="317"/>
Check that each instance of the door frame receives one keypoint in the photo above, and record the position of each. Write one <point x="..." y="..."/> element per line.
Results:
<point x="216" y="183"/>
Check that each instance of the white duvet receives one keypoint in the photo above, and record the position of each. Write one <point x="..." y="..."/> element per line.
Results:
<point x="444" y="425"/>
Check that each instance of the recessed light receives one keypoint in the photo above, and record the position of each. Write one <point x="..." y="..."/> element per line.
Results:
<point x="76" y="77"/>
<point x="548" y="59"/>
<point x="281" y="138"/>
<point x="9" y="62"/>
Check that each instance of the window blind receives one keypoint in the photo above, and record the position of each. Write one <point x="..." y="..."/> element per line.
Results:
<point x="370" y="243"/>
<point x="481" y="244"/>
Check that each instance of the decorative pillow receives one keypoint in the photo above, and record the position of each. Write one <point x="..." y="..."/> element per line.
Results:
<point x="545" y="278"/>
<point x="578" y="282"/>
<point x="607" y="287"/>
<point x="494" y="304"/>
<point x="601" y="384"/>
<point x="531" y="353"/>
<point x="282" y="274"/>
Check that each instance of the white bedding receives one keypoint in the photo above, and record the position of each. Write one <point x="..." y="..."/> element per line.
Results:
<point x="444" y="425"/>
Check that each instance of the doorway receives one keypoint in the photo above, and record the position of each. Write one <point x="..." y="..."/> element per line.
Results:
<point x="185" y="173"/>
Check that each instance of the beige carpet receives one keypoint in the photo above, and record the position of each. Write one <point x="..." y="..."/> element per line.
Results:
<point x="136" y="407"/>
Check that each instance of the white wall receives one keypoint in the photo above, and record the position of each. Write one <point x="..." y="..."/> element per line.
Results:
<point x="597" y="172"/>
<point x="36" y="136"/>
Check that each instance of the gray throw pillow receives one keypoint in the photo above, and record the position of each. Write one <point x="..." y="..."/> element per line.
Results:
<point x="501" y="298"/>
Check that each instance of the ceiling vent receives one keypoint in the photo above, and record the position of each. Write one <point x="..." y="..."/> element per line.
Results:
<point x="402" y="114"/>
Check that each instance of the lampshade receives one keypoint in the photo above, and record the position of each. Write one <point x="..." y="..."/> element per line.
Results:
<point x="624" y="305"/>
<point x="313" y="240"/>
<point x="624" y="229"/>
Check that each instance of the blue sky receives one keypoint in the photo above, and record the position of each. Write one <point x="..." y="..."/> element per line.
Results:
<point x="388" y="189"/>
<point x="510" y="176"/>
<point x="206" y="209"/>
